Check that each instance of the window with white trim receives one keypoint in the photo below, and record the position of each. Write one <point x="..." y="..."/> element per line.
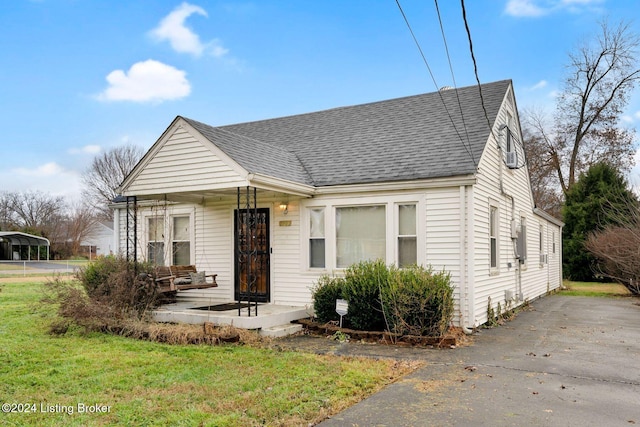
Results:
<point x="155" y="240"/>
<point x="181" y="244"/>
<point x="316" y="238"/>
<point x="407" y="236"/>
<point x="493" y="236"/>
<point x="541" y="245"/>
<point x="360" y="234"/>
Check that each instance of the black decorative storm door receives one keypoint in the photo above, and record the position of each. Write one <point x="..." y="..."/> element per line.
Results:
<point x="252" y="255"/>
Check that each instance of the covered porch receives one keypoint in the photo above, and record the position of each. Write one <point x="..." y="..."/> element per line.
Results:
<point x="247" y="280"/>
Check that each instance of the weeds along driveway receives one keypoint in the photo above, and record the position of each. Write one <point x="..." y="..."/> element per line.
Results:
<point x="568" y="361"/>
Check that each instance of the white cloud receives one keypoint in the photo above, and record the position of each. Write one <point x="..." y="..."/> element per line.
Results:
<point x="48" y="169"/>
<point x="537" y="8"/>
<point x="182" y="39"/>
<point x="49" y="178"/>
<point x="147" y="81"/>
<point x="540" y="85"/>
<point x="523" y="8"/>
<point x="87" y="149"/>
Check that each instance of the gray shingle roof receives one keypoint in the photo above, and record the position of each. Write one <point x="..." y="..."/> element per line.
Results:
<point x="399" y="139"/>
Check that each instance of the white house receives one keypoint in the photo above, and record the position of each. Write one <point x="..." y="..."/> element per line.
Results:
<point x="436" y="179"/>
<point x="100" y="240"/>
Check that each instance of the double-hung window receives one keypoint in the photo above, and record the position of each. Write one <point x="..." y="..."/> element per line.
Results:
<point x="155" y="240"/>
<point x="181" y="245"/>
<point x="407" y="236"/>
<point x="493" y="236"/>
<point x="316" y="238"/>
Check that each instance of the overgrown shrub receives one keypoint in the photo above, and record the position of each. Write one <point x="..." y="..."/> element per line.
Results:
<point x="410" y="301"/>
<point x="120" y="284"/>
<point x="106" y="294"/>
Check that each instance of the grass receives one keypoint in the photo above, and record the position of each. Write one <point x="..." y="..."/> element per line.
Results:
<point x="594" y="289"/>
<point x="146" y="383"/>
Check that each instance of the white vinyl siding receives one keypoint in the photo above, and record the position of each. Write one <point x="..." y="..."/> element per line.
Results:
<point x="184" y="163"/>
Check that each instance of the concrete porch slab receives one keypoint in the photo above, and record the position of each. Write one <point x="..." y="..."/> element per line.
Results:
<point x="269" y="315"/>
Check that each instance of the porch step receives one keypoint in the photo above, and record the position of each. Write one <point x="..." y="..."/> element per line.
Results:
<point x="281" y="330"/>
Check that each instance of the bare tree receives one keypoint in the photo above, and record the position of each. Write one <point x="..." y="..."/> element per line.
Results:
<point x="585" y="128"/>
<point x="7" y="216"/>
<point x="37" y="212"/>
<point x="80" y="224"/>
<point x="544" y="180"/>
<point x="617" y="248"/>
<point x="104" y="176"/>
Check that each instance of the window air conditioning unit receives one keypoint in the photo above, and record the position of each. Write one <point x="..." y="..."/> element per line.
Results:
<point x="512" y="159"/>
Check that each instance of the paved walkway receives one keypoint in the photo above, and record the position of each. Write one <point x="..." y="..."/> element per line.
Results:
<point x="570" y="361"/>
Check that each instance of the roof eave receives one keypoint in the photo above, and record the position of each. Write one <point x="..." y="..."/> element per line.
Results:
<point x="450" y="181"/>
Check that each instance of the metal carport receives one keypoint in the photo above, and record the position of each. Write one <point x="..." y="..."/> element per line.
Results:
<point x="12" y="245"/>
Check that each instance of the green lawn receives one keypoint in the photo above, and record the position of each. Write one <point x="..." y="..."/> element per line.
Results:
<point x="594" y="289"/>
<point x="143" y="383"/>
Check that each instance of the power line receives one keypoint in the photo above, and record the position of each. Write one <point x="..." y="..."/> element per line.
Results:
<point x="455" y="85"/>
<point x="475" y="68"/>
<point x="424" y="59"/>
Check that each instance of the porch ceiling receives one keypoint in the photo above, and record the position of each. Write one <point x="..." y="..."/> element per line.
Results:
<point x="201" y="196"/>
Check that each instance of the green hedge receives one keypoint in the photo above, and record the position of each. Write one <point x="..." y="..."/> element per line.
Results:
<point x="408" y="301"/>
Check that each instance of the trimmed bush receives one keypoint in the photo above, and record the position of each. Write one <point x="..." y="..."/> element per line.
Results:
<point x="325" y="293"/>
<point x="363" y="283"/>
<point x="418" y="302"/>
<point x="410" y="301"/>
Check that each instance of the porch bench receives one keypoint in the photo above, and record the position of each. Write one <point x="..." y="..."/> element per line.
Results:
<point x="182" y="277"/>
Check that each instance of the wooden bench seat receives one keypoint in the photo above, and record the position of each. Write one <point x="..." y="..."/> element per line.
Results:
<point x="182" y="277"/>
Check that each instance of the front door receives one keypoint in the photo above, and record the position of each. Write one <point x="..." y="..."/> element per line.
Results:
<point x="252" y="251"/>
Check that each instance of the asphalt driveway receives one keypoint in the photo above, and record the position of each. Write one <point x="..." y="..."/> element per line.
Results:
<point x="569" y="361"/>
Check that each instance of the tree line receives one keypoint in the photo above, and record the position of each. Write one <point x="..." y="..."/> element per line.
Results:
<point x="68" y="224"/>
<point x="579" y="155"/>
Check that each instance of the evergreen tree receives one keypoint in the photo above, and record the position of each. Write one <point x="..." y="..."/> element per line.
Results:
<point x="595" y="201"/>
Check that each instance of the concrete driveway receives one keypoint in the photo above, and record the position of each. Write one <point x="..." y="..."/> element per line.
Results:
<point x="569" y="361"/>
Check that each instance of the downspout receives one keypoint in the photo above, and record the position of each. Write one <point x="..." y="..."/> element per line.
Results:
<point x="116" y="231"/>
<point x="466" y="263"/>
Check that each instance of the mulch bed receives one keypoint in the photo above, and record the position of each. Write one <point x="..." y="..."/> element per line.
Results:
<point x="453" y="339"/>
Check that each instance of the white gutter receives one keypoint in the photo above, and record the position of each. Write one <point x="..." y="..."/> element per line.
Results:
<point x="454" y="181"/>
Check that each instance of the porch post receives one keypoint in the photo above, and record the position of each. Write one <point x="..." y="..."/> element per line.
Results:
<point x="246" y="247"/>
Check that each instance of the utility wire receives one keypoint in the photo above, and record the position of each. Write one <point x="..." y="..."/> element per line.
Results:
<point x="455" y="85"/>
<point x="424" y="59"/>
<point x="475" y="68"/>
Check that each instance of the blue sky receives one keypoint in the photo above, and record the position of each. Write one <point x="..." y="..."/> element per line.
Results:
<point x="78" y="77"/>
